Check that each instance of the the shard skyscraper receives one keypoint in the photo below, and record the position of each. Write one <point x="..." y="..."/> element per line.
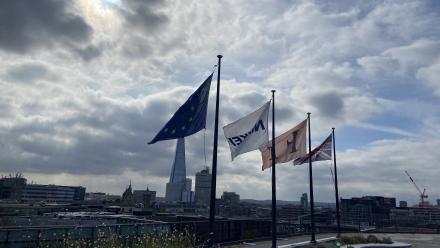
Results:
<point x="178" y="189"/>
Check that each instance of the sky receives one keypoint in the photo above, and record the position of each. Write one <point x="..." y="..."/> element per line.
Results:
<point x="86" y="84"/>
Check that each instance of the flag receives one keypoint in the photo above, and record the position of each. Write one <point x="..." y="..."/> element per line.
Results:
<point x="248" y="133"/>
<point x="288" y="146"/>
<point x="320" y="153"/>
<point x="189" y="118"/>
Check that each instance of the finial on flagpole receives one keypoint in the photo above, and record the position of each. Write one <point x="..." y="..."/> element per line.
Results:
<point x="219" y="56"/>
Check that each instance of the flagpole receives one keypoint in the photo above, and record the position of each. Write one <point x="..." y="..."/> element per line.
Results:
<point x="274" y="193"/>
<point x="214" y="161"/>
<point x="312" y="207"/>
<point x="338" y="216"/>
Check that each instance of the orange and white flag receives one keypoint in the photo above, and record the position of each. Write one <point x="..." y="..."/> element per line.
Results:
<point x="288" y="146"/>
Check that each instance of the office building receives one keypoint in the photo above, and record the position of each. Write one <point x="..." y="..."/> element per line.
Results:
<point x="52" y="193"/>
<point x="16" y="188"/>
<point x="415" y="216"/>
<point x="367" y="210"/>
<point x="203" y="187"/>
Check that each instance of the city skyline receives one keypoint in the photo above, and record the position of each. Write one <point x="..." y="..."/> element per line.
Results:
<point x="81" y="96"/>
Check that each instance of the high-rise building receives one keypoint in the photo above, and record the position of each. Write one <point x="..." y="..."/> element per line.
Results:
<point x="203" y="187"/>
<point x="304" y="201"/>
<point x="178" y="189"/>
<point x="438" y="202"/>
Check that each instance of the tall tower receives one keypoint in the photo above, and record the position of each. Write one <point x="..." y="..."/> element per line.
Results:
<point x="178" y="172"/>
<point x="176" y="188"/>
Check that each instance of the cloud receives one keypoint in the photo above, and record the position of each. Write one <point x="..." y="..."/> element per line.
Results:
<point x="145" y="20"/>
<point x="403" y="59"/>
<point x="87" y="85"/>
<point x="28" y="25"/>
<point x="389" y="159"/>
<point x="88" y="53"/>
<point x="142" y="15"/>
<point x="430" y="76"/>
<point x="27" y="73"/>
<point x="330" y="104"/>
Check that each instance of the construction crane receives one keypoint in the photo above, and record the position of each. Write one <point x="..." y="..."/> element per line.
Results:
<point x="423" y="194"/>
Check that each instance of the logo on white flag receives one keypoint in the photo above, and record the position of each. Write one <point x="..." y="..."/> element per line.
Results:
<point x="249" y="133"/>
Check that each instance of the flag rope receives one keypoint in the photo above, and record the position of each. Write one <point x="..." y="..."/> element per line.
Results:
<point x="204" y="145"/>
<point x="331" y="171"/>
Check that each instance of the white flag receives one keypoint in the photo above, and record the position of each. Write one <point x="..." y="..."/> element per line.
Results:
<point x="249" y="133"/>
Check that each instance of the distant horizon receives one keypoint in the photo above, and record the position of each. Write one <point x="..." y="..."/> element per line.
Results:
<point x="410" y="202"/>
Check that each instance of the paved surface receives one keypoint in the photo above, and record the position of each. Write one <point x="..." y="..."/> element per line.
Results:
<point x="281" y="242"/>
<point x="393" y="245"/>
<point x="417" y="240"/>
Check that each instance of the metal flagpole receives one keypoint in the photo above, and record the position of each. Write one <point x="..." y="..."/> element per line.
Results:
<point x="214" y="161"/>
<point x="274" y="196"/>
<point x="338" y="216"/>
<point x="312" y="207"/>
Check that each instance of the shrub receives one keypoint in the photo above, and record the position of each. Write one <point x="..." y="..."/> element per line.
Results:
<point x="173" y="239"/>
<point x="372" y="239"/>
<point x="359" y="239"/>
<point x="386" y="240"/>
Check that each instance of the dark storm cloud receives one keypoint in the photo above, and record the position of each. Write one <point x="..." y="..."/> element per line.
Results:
<point x="25" y="25"/>
<point x="27" y="73"/>
<point x="328" y="104"/>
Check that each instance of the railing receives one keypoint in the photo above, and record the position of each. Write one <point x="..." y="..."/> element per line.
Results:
<point x="225" y="230"/>
<point x="35" y="236"/>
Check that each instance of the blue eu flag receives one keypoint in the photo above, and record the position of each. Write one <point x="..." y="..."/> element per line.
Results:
<point x="189" y="118"/>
